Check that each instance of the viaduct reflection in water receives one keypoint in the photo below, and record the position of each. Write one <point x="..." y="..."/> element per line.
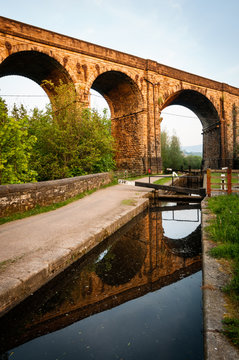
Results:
<point x="136" y="260"/>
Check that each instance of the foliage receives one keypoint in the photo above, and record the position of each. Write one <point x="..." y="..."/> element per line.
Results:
<point x="65" y="140"/>
<point x="165" y="149"/>
<point x="71" y="140"/>
<point x="194" y="161"/>
<point x="172" y="155"/>
<point x="224" y="229"/>
<point x="176" y="155"/>
<point x="15" y="147"/>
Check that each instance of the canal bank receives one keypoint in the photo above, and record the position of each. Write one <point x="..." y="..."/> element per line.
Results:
<point x="215" y="277"/>
<point x="36" y="249"/>
<point x="135" y="296"/>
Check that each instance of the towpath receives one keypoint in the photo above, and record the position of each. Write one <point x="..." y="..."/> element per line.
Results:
<point x="33" y="250"/>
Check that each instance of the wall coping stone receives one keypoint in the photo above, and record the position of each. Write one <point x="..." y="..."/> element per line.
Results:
<point x="44" y="192"/>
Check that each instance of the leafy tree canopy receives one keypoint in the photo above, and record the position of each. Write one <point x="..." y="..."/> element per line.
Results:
<point x="65" y="140"/>
<point x="16" y="146"/>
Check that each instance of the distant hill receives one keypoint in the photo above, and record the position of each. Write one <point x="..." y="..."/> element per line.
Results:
<point x="192" y="150"/>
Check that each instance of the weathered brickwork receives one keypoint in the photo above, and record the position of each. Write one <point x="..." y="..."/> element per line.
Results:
<point x="22" y="197"/>
<point x="136" y="89"/>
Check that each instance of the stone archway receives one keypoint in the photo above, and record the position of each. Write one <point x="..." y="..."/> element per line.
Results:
<point x="36" y="66"/>
<point x="23" y="46"/>
<point x="209" y="117"/>
<point x="128" y="121"/>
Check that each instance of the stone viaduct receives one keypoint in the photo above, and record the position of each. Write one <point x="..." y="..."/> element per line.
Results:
<point x="136" y="89"/>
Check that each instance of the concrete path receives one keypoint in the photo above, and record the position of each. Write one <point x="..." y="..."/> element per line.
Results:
<point x="35" y="249"/>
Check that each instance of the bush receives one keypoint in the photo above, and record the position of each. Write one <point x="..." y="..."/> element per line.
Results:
<point x="66" y="140"/>
<point x="16" y="146"/>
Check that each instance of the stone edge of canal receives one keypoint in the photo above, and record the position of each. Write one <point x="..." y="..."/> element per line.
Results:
<point x="35" y="272"/>
<point x="215" y="277"/>
<point x="216" y="345"/>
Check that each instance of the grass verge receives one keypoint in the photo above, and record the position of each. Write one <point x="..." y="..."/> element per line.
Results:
<point x="163" y="180"/>
<point x="216" y="178"/>
<point x="136" y="177"/>
<point x="224" y="230"/>
<point x="42" y="209"/>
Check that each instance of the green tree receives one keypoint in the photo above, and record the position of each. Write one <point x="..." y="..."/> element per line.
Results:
<point x="65" y="140"/>
<point x="71" y="140"/>
<point x="165" y="149"/>
<point x="15" y="148"/>
<point x="19" y="113"/>
<point x="175" y="153"/>
<point x="172" y="156"/>
<point x="194" y="161"/>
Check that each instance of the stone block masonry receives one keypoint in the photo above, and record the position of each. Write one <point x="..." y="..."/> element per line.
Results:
<point x="136" y="90"/>
<point x="23" y="197"/>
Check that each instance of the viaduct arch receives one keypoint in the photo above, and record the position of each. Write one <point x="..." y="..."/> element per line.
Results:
<point x="209" y="117"/>
<point x="36" y="66"/>
<point x="136" y="89"/>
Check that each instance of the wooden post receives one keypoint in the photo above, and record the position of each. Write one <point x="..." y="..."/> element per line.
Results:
<point x="229" y="181"/>
<point x="208" y="182"/>
<point x="149" y="172"/>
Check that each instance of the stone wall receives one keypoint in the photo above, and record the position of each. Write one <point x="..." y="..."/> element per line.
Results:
<point x="22" y="197"/>
<point x="137" y="90"/>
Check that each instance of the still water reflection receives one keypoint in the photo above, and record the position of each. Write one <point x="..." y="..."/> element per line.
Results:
<point x="136" y="296"/>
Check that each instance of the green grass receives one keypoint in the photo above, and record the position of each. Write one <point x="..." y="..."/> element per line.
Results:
<point x="135" y="177"/>
<point x="224" y="230"/>
<point x="226" y="251"/>
<point x="216" y="178"/>
<point x="130" y="202"/>
<point x="42" y="209"/>
<point x="231" y="330"/>
<point x="163" y="180"/>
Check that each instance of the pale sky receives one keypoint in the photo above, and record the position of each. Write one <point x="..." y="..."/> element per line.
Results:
<point x="198" y="36"/>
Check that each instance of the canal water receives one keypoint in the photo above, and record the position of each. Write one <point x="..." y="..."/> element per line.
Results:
<point x="136" y="296"/>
